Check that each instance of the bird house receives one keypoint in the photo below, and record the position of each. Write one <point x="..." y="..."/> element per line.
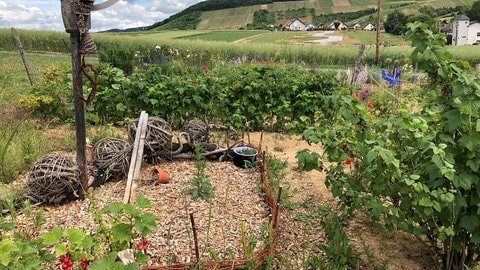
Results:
<point x="76" y="14"/>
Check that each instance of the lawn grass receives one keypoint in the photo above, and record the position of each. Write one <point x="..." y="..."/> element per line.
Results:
<point x="13" y="76"/>
<point x="369" y="37"/>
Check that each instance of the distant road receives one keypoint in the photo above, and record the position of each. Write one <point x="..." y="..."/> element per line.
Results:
<point x="326" y="40"/>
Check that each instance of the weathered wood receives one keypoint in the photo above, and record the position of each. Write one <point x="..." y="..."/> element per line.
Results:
<point x="105" y="4"/>
<point x="79" y="108"/>
<point x="24" y="56"/>
<point x="137" y="156"/>
<point x="358" y="63"/>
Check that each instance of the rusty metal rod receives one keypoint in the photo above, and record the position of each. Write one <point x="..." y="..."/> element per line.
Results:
<point x="195" y="239"/>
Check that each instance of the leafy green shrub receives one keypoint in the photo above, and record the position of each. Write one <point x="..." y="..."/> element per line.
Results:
<point x="417" y="170"/>
<point x="51" y="97"/>
<point x="286" y="97"/>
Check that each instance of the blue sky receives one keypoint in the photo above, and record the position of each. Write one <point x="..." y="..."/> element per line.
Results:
<point x="46" y="14"/>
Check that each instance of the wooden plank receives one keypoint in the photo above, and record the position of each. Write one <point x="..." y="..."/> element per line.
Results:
<point x="137" y="156"/>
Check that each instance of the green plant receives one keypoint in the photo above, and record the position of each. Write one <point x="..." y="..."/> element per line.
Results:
<point x="119" y="226"/>
<point x="50" y="96"/>
<point x="200" y="185"/>
<point x="416" y="170"/>
<point x="276" y="174"/>
<point x="337" y="248"/>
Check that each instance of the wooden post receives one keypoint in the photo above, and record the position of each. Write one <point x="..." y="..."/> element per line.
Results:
<point x="358" y="64"/>
<point x="137" y="156"/>
<point x="377" y="47"/>
<point x="80" y="133"/>
<point x="24" y="56"/>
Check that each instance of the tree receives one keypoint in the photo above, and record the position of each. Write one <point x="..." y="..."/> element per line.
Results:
<point x="395" y="23"/>
<point x="425" y="18"/>
<point x="474" y="12"/>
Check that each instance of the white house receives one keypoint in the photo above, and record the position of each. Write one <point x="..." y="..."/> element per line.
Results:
<point x="335" y="25"/>
<point x="465" y="32"/>
<point x="295" y="25"/>
<point x="367" y="26"/>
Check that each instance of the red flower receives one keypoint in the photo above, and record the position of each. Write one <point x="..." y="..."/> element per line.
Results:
<point x="205" y="68"/>
<point x="348" y="161"/>
<point x="145" y="242"/>
<point x="369" y="105"/>
<point x="357" y="95"/>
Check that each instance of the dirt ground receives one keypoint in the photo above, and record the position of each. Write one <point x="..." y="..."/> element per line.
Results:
<point x="298" y="239"/>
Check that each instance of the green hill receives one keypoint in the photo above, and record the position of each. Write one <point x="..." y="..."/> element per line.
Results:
<point x="242" y="14"/>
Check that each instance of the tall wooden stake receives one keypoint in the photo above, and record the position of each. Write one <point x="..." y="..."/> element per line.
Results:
<point x="377" y="48"/>
<point x="24" y="57"/>
<point x="80" y="133"/>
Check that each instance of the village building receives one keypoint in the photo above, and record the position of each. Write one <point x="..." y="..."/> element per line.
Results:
<point x="335" y="25"/>
<point x="295" y="25"/>
<point x="367" y="26"/>
<point x="464" y="31"/>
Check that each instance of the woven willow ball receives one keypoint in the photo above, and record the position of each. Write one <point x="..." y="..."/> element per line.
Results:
<point x="158" y="138"/>
<point x="112" y="158"/>
<point x="54" y="179"/>
<point x="197" y="131"/>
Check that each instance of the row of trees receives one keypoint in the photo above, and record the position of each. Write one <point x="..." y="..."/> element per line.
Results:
<point x="396" y="21"/>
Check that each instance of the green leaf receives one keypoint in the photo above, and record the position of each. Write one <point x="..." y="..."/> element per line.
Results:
<point x="61" y="249"/>
<point x="74" y="235"/>
<point x="470" y="222"/>
<point x="143" y="202"/>
<point x="104" y="263"/>
<point x="26" y="250"/>
<point x="475" y="237"/>
<point x="112" y="208"/>
<point x="129" y="209"/>
<point x="471" y="142"/>
<point x="388" y="156"/>
<point x="7" y="247"/>
<point x="52" y="237"/>
<point x="121" y="107"/>
<point x="145" y="223"/>
<point x="474" y="164"/>
<point x="307" y="160"/>
<point x="464" y="180"/>
<point x="121" y="233"/>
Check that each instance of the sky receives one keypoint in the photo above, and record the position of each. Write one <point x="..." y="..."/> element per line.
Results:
<point x="46" y="14"/>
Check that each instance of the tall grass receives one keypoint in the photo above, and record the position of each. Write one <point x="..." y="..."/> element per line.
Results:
<point x="34" y="40"/>
<point x="21" y="142"/>
<point x="273" y="46"/>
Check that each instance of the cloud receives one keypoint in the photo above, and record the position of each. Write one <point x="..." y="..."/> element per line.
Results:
<point x="27" y="14"/>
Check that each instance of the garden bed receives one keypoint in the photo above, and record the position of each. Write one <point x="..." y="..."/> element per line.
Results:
<point x="237" y="199"/>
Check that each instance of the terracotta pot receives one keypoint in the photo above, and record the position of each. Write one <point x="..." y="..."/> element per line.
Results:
<point x="161" y="176"/>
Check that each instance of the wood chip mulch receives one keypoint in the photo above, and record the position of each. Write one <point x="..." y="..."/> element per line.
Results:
<point x="237" y="198"/>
